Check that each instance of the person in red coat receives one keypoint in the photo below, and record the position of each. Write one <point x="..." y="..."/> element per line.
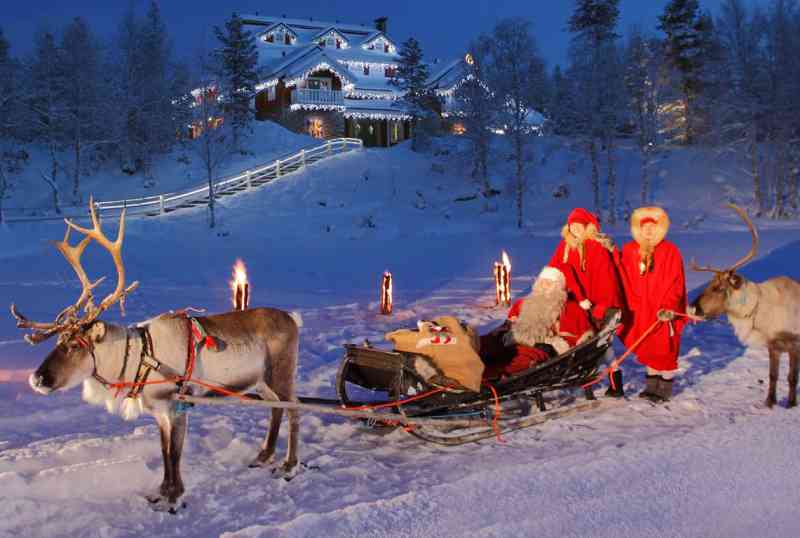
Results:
<point x="532" y="332"/>
<point x="655" y="288"/>
<point x="588" y="253"/>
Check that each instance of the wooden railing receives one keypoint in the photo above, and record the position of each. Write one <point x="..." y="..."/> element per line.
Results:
<point x="249" y="179"/>
<point x="305" y="96"/>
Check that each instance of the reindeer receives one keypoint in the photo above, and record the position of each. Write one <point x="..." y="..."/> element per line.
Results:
<point x="763" y="314"/>
<point x="256" y="348"/>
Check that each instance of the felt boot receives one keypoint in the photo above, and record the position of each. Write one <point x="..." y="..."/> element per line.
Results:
<point x="664" y="390"/>
<point x="650" y="387"/>
<point x="615" y="385"/>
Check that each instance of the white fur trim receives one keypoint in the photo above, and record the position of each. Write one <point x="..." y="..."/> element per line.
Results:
<point x="298" y="319"/>
<point x="586" y="304"/>
<point x="552" y="273"/>
<point x="130" y="408"/>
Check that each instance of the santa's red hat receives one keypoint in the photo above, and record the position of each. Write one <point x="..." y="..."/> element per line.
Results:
<point x="583" y="216"/>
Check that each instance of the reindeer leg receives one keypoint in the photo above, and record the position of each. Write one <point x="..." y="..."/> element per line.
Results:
<point x="165" y="428"/>
<point x="774" y="368"/>
<point x="794" y="360"/>
<point x="179" y="427"/>
<point x="270" y="440"/>
<point x="290" y="463"/>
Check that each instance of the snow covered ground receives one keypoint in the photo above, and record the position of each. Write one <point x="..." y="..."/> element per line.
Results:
<point x="713" y="462"/>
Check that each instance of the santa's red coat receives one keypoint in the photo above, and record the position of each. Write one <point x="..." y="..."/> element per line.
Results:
<point x="599" y="283"/>
<point x="663" y="287"/>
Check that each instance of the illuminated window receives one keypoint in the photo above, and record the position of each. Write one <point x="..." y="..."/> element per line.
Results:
<point x="459" y="129"/>
<point x="315" y="127"/>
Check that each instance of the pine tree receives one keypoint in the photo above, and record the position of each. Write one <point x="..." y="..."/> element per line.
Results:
<point x="12" y="156"/>
<point x="683" y="24"/>
<point x="238" y="77"/>
<point x="157" y="127"/>
<point x="45" y="105"/>
<point x="411" y="78"/>
<point x="84" y="119"/>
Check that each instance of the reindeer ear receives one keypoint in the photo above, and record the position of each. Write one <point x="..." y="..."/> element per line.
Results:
<point x="735" y="281"/>
<point x="97" y="331"/>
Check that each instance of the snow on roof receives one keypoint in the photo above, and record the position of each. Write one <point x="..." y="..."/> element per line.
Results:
<point x="310" y="24"/>
<point x="308" y="58"/>
<point x="449" y="75"/>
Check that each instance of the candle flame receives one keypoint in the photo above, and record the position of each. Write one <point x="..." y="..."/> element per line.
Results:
<point x="239" y="274"/>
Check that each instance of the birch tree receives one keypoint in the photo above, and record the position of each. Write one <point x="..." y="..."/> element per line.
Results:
<point x="516" y="73"/>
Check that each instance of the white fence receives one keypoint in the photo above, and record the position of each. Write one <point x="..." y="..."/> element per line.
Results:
<point x="166" y="203"/>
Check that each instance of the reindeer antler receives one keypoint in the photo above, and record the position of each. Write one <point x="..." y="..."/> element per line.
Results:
<point x="753" y="234"/>
<point x="707" y="268"/>
<point x="746" y="258"/>
<point x="68" y="319"/>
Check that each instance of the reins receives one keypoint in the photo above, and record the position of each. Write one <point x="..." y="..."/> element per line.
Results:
<point x="619" y="360"/>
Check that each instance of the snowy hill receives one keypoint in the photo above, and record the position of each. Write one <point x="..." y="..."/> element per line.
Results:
<point x="711" y="462"/>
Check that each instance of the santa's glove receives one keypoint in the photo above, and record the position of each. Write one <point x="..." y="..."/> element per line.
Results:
<point x="586" y="304"/>
<point x="665" y="315"/>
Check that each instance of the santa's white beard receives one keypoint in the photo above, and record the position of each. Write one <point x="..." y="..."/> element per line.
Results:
<point x="538" y="317"/>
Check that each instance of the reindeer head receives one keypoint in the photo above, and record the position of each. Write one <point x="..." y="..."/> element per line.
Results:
<point x="723" y="292"/>
<point x="73" y="359"/>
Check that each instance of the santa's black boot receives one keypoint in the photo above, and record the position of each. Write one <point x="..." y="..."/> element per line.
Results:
<point x="615" y="385"/>
<point x="650" y="387"/>
<point x="664" y="389"/>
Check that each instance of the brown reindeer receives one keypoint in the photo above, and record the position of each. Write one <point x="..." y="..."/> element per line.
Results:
<point x="256" y="348"/>
<point x="763" y="314"/>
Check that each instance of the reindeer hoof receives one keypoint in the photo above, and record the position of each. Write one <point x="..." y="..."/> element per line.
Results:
<point x="791" y="404"/>
<point x="286" y="470"/>
<point x="770" y="403"/>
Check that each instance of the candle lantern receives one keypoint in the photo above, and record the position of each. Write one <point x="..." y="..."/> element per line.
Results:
<point x="240" y="287"/>
<point x="502" y="281"/>
<point x="386" y="293"/>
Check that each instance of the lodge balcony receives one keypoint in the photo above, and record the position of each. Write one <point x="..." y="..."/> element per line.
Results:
<point x="305" y="96"/>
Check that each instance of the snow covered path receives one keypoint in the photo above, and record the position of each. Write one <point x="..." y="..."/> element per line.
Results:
<point x="713" y="462"/>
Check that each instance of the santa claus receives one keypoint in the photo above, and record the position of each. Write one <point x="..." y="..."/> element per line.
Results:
<point x="533" y="332"/>
<point x="588" y="253"/>
<point x="655" y="288"/>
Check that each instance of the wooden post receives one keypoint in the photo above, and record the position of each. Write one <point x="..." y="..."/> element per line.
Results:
<point x="328" y="149"/>
<point x="278" y="168"/>
<point x="161" y="203"/>
<point x="247" y="179"/>
<point x="303" y="158"/>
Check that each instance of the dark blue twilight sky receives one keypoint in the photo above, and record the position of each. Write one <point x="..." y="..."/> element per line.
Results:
<point x="442" y="26"/>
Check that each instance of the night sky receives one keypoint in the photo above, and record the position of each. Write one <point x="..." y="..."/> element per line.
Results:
<point x="443" y="27"/>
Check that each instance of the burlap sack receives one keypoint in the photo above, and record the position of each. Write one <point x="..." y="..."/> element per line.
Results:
<point x="453" y="348"/>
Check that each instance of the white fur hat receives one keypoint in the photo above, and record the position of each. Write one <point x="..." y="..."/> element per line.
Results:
<point x="552" y="273"/>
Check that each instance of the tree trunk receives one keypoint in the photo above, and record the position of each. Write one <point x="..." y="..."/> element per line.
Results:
<point x="612" y="182"/>
<point x="76" y="179"/>
<point x="645" y="167"/>
<point x="758" y="195"/>
<point x="520" y="158"/>
<point x="595" y="178"/>
<point x="211" y="215"/>
<point x="3" y="187"/>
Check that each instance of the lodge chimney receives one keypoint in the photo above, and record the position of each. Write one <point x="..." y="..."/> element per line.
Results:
<point x="380" y="24"/>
